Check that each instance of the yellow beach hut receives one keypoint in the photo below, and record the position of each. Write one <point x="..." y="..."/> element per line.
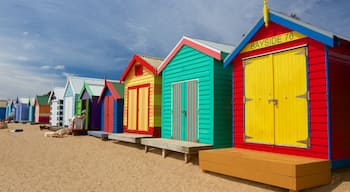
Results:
<point x="142" y="96"/>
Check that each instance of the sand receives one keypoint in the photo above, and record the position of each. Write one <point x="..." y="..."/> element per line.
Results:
<point x="31" y="162"/>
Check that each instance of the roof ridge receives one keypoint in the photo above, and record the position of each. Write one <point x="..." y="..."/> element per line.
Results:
<point x="210" y="41"/>
<point x="151" y="57"/>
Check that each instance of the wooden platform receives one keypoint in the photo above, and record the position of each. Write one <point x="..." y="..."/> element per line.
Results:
<point x="128" y="137"/>
<point x="187" y="148"/>
<point x="286" y="171"/>
<point x="100" y="134"/>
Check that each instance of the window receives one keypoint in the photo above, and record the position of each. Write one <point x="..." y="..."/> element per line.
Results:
<point x="138" y="70"/>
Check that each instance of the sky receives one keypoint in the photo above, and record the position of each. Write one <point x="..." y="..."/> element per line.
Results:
<point x="44" y="41"/>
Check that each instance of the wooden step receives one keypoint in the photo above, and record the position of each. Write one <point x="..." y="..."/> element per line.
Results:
<point x="286" y="171"/>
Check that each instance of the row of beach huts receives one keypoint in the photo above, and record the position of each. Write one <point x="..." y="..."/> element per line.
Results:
<point x="274" y="108"/>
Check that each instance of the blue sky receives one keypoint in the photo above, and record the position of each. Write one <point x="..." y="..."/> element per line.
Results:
<point x="43" y="41"/>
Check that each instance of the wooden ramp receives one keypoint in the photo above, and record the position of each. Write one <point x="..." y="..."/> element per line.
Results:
<point x="128" y="137"/>
<point x="187" y="148"/>
<point x="286" y="171"/>
<point x="100" y="134"/>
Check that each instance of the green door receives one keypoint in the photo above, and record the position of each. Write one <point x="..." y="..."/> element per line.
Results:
<point x="87" y="114"/>
<point x="78" y="106"/>
<point x="185" y="110"/>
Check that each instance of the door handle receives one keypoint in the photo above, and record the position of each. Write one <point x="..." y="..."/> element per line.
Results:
<point x="274" y="101"/>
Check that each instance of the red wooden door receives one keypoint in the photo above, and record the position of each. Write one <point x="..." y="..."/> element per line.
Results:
<point x="108" y="111"/>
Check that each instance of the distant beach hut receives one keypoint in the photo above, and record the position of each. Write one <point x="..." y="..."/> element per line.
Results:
<point x="42" y="109"/>
<point x="22" y="109"/>
<point x="3" y="104"/>
<point x="89" y="95"/>
<point x="112" y="106"/>
<point x="56" y="106"/>
<point x="71" y="102"/>
<point x="10" y="108"/>
<point x="142" y="96"/>
<point x="31" y="112"/>
<point x="196" y="93"/>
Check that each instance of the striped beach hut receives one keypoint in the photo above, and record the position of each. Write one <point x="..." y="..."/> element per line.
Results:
<point x="31" y="112"/>
<point x="112" y="107"/>
<point x="89" y="95"/>
<point x="22" y="109"/>
<point x="196" y="93"/>
<point x="56" y="106"/>
<point x="3" y="104"/>
<point x="291" y="90"/>
<point x="42" y="109"/>
<point x="71" y="102"/>
<point x="142" y="96"/>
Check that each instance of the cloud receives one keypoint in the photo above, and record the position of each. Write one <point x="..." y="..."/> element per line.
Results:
<point x="59" y="67"/>
<point x="90" y="38"/>
<point x="45" y="67"/>
<point x="22" y="58"/>
<point x="26" y="81"/>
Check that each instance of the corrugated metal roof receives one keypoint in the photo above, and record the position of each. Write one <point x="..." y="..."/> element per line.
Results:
<point x="302" y="23"/>
<point x="153" y="61"/>
<point x="309" y="30"/>
<point x="218" y="46"/>
<point x="96" y="89"/>
<point x="78" y="82"/>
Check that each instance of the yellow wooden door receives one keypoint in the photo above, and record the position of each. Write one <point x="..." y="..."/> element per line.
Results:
<point x="143" y="109"/>
<point x="259" y="112"/>
<point x="291" y="110"/>
<point x="132" y="109"/>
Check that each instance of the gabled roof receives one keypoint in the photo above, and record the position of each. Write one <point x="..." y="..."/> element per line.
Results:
<point x="116" y="88"/>
<point x="58" y="93"/>
<point x="93" y="89"/>
<point x="151" y="63"/>
<point x="215" y="50"/>
<point x="42" y="99"/>
<point x="31" y="101"/>
<point x="306" y="29"/>
<point x="24" y="100"/>
<point x="78" y="82"/>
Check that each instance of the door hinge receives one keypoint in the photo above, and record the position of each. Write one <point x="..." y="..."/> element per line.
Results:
<point x="245" y="99"/>
<point x="305" y="141"/>
<point x="304" y="96"/>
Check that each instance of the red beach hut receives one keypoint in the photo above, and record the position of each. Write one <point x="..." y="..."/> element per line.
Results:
<point x="291" y="85"/>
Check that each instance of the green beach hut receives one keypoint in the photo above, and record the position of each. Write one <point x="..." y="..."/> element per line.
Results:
<point x="196" y="93"/>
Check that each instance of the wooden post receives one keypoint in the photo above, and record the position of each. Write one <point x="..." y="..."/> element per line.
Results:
<point x="163" y="153"/>
<point x="187" y="157"/>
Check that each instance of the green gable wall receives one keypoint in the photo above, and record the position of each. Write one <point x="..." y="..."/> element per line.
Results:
<point x="222" y="105"/>
<point x="189" y="64"/>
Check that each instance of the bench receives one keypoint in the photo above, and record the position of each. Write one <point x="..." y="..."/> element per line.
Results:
<point x="187" y="148"/>
<point x="128" y="137"/>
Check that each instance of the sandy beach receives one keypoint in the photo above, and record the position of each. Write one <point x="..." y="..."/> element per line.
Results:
<point x="31" y="162"/>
